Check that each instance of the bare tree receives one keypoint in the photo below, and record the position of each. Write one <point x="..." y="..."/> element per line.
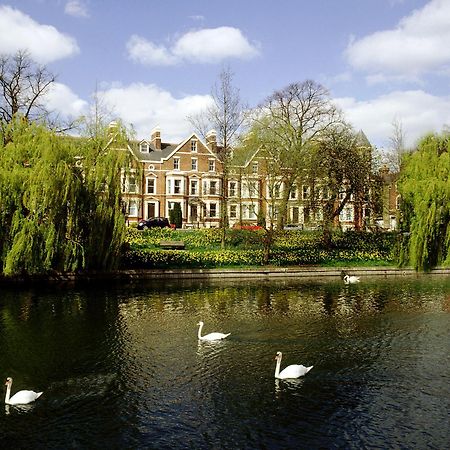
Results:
<point x="23" y="84"/>
<point x="226" y="116"/>
<point x="290" y="121"/>
<point x="396" y="146"/>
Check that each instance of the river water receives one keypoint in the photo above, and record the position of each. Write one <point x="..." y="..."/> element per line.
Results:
<point x="121" y="366"/>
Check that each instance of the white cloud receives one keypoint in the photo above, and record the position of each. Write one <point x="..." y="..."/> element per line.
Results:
<point x="209" y="45"/>
<point x="213" y="45"/>
<point x="417" y="111"/>
<point x="62" y="101"/>
<point x="145" y="52"/>
<point x="420" y="43"/>
<point x="76" y="8"/>
<point x="43" y="42"/>
<point x="146" y="106"/>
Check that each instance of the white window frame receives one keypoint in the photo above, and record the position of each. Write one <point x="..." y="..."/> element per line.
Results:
<point x="133" y="208"/>
<point x="194" y="147"/>
<point x="211" y="165"/>
<point x="147" y="185"/>
<point x="194" y="191"/>
<point x="194" y="164"/>
<point x="232" y="188"/>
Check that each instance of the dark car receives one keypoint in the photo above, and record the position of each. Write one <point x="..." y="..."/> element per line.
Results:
<point x="153" y="222"/>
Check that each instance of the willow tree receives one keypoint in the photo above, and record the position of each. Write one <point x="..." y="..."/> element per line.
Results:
<point x="60" y="201"/>
<point x="425" y="189"/>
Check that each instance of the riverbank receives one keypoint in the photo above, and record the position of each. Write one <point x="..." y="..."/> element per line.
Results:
<point x="131" y="276"/>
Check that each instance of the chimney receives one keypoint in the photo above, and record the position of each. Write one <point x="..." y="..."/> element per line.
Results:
<point x="211" y="140"/>
<point x="156" y="138"/>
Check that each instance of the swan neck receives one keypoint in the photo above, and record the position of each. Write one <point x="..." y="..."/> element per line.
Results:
<point x="8" y="393"/>
<point x="200" y="331"/>
<point x="277" y="368"/>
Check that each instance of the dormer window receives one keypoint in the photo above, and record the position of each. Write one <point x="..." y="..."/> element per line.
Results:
<point x="194" y="145"/>
<point x="144" y="147"/>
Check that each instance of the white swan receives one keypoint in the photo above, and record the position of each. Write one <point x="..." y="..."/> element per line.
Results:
<point x="210" y="336"/>
<point x="293" y="371"/>
<point x="21" y="397"/>
<point x="351" y="279"/>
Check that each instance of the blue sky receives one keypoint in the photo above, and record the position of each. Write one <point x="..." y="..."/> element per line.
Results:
<point x="155" y="61"/>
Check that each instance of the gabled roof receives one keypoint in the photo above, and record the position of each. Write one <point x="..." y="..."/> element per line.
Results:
<point x="167" y="149"/>
<point x="153" y="155"/>
<point x="362" y="139"/>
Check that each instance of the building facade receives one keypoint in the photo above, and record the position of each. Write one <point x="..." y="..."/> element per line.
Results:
<point x="191" y="174"/>
<point x="163" y="174"/>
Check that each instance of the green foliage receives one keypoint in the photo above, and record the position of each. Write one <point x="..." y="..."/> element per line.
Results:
<point x="175" y="215"/>
<point x="60" y="207"/>
<point x="425" y="189"/>
<point x="246" y="248"/>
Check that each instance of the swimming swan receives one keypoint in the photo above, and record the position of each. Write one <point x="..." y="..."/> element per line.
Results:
<point x="210" y="336"/>
<point x="21" y="397"/>
<point x="351" y="279"/>
<point x="292" y="371"/>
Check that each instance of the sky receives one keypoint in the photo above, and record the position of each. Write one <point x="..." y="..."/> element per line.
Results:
<point x="155" y="62"/>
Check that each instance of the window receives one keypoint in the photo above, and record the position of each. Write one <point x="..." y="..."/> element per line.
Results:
<point x="194" y="164"/>
<point x="132" y="185"/>
<point x="254" y="168"/>
<point x="133" y="208"/>
<point x="176" y="163"/>
<point x="144" y="147"/>
<point x="174" y="186"/>
<point x="233" y="211"/>
<point x="346" y="215"/>
<point x="212" y="210"/>
<point x="232" y="189"/>
<point x="252" y="190"/>
<point x="151" y="186"/>
<point x="213" y="188"/>
<point x="193" y="145"/>
<point x="293" y="194"/>
<point x="252" y="211"/>
<point x="305" y="192"/>
<point x="212" y="165"/>
<point x="194" y="187"/>
<point x="277" y="190"/>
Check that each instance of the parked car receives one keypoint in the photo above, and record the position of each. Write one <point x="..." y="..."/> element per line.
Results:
<point x="153" y="222"/>
<point x="293" y="226"/>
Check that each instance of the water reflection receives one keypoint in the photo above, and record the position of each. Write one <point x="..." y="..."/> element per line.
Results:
<point x="122" y="366"/>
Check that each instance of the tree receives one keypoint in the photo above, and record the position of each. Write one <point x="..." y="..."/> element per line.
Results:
<point x="175" y="215"/>
<point x="289" y="123"/>
<point x="265" y="183"/>
<point x="23" y="85"/>
<point x="226" y="116"/>
<point x="61" y="200"/>
<point x="397" y="147"/>
<point x="341" y="170"/>
<point x="425" y="190"/>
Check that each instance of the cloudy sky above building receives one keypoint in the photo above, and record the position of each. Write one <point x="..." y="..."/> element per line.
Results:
<point x="155" y="62"/>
